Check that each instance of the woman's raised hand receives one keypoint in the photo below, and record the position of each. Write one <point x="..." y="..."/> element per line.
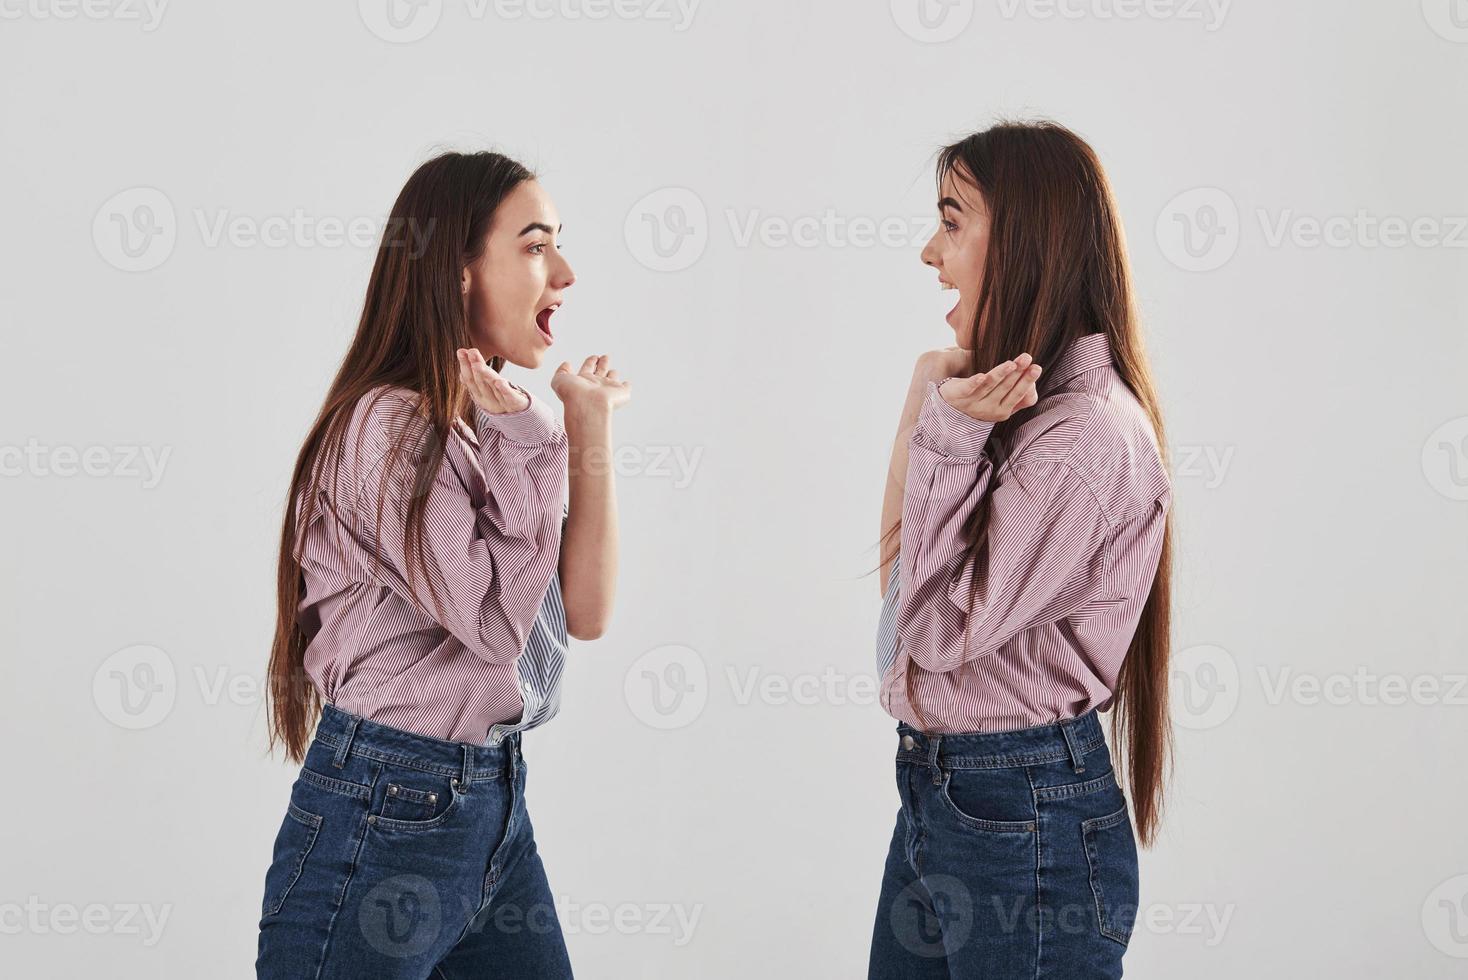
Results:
<point x="996" y="394"/>
<point x="487" y="387"/>
<point x="592" y="387"/>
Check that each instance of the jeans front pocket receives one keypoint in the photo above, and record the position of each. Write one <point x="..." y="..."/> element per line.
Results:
<point x="992" y="801"/>
<point x="414" y="799"/>
<point x="292" y="844"/>
<point x="1111" y="851"/>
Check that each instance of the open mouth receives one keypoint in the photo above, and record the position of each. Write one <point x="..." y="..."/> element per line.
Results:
<point x="945" y="285"/>
<point x="957" y="300"/>
<point x="542" y="321"/>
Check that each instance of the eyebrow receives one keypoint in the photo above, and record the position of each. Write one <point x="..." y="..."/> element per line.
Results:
<point x="948" y="202"/>
<point x="537" y="226"/>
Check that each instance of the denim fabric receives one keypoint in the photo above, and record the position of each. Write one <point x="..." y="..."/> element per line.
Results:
<point x="1013" y="858"/>
<point x="406" y="856"/>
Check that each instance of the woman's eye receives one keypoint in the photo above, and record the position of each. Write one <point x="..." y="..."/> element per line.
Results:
<point x="538" y="248"/>
<point x="949" y="226"/>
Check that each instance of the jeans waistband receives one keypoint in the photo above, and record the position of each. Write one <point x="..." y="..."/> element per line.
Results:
<point x="1067" y="739"/>
<point x="348" y="733"/>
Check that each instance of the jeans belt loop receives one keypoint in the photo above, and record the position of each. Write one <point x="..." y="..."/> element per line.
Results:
<point x="345" y="745"/>
<point x="1073" y="743"/>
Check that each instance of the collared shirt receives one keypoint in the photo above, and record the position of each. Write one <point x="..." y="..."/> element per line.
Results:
<point x="1076" y="522"/>
<point x="489" y="660"/>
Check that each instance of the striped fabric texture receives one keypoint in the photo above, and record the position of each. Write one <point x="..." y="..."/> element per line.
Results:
<point x="1076" y="521"/>
<point x="488" y="660"/>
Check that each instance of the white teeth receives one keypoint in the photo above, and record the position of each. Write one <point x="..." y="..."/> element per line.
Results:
<point x="945" y="285"/>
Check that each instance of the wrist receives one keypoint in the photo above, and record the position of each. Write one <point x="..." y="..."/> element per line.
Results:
<point x="531" y="424"/>
<point x="948" y="428"/>
<point x="588" y="415"/>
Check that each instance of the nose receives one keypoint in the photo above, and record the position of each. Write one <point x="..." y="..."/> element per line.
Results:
<point x="565" y="275"/>
<point x="929" y="254"/>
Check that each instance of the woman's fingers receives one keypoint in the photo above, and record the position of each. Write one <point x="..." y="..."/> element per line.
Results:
<point x="1015" y="372"/>
<point x="469" y="374"/>
<point x="1001" y="390"/>
<point x="487" y="386"/>
<point x="1013" y="386"/>
<point x="1023" y="388"/>
<point x="986" y="384"/>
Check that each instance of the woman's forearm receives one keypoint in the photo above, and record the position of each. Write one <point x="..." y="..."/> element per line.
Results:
<point x="588" y="564"/>
<point x="897" y="473"/>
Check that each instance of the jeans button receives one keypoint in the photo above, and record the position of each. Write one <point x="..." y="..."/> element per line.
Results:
<point x="909" y="743"/>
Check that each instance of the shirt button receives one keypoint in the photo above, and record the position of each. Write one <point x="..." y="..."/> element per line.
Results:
<point x="909" y="743"/>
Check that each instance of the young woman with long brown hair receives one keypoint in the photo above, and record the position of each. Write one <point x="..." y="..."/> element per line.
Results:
<point x="430" y="572"/>
<point x="1025" y="569"/>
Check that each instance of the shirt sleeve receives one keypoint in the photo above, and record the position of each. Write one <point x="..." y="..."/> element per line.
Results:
<point x="490" y="562"/>
<point x="1045" y="554"/>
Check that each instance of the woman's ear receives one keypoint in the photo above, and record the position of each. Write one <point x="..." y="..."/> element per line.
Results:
<point x="464" y="281"/>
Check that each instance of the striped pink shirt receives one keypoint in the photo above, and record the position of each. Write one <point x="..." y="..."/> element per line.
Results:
<point x="1075" y="534"/>
<point x="491" y="538"/>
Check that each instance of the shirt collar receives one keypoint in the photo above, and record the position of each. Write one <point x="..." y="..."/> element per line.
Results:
<point x="1086" y="353"/>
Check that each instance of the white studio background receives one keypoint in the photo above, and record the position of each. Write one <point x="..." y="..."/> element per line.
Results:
<point x="745" y="188"/>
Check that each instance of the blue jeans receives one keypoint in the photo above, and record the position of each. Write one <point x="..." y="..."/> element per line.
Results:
<point x="406" y="856"/>
<point x="1013" y="858"/>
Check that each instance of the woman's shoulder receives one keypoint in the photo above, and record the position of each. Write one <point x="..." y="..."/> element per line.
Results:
<point x="385" y="411"/>
<point x="386" y="402"/>
<point x="384" y="417"/>
<point x="1104" y="438"/>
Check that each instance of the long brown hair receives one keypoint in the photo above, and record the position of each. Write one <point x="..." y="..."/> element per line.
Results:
<point x="1056" y="268"/>
<point x="413" y="321"/>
